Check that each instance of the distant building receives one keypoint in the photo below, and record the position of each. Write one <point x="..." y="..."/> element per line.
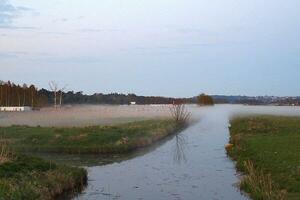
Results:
<point x="15" y="109"/>
<point x="133" y="103"/>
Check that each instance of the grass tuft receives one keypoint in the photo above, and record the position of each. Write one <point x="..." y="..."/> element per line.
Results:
<point x="260" y="185"/>
<point x="5" y="153"/>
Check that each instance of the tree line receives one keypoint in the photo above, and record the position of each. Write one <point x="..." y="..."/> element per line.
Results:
<point x="16" y="95"/>
<point x="72" y="97"/>
<point x="23" y="95"/>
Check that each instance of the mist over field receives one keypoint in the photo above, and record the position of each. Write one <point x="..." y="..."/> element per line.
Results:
<point x="90" y="115"/>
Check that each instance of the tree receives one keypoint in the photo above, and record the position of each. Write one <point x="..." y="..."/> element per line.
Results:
<point x="61" y="95"/>
<point x="54" y="88"/>
<point x="32" y="91"/>
<point x="13" y="95"/>
<point x="24" y="94"/>
<point x="1" y="92"/>
<point x="205" y="100"/>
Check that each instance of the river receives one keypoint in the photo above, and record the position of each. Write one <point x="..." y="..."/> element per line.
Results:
<point x="191" y="165"/>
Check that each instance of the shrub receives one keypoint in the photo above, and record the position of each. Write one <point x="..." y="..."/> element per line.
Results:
<point x="180" y="114"/>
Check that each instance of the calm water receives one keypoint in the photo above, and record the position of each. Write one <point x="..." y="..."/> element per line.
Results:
<point x="192" y="165"/>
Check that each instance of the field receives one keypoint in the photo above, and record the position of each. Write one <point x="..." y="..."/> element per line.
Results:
<point x="267" y="148"/>
<point x="94" y="139"/>
<point x="85" y="115"/>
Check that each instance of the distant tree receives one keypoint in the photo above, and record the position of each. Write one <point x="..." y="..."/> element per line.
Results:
<point x="12" y="95"/>
<point x="32" y="92"/>
<point x="61" y="91"/>
<point x="54" y="88"/>
<point x="24" y="94"/>
<point x="1" y="91"/>
<point x="205" y="100"/>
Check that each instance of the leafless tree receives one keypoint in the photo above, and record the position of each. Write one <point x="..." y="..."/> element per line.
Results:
<point x="180" y="114"/>
<point x="61" y="94"/>
<point x="54" y="88"/>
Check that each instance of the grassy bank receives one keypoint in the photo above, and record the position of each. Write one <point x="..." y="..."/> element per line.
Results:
<point x="97" y="139"/>
<point x="268" y="149"/>
<point x="24" y="177"/>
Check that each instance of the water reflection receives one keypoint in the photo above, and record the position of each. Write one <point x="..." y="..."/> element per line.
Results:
<point x="179" y="148"/>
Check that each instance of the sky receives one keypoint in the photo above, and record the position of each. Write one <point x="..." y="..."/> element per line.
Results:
<point x="160" y="47"/>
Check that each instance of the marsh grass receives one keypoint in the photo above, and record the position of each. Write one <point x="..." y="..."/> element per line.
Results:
<point x="6" y="154"/>
<point x="267" y="149"/>
<point x="260" y="185"/>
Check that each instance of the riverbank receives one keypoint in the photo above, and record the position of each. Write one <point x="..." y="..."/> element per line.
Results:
<point x="25" y="177"/>
<point x="267" y="149"/>
<point x="120" y="138"/>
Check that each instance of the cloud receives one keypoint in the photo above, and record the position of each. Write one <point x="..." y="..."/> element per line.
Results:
<point x="9" y="12"/>
<point x="76" y="59"/>
<point x="7" y="55"/>
<point x="17" y="27"/>
<point x="12" y="54"/>
<point x="56" y="33"/>
<point x="61" y="20"/>
<point x="88" y="30"/>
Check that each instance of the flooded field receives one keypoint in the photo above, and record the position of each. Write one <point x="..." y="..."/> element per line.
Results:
<point x="191" y="165"/>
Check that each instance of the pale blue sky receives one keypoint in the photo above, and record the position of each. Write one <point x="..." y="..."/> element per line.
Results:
<point x="153" y="47"/>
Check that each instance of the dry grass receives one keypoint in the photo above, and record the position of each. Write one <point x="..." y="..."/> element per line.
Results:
<point x="5" y="154"/>
<point x="260" y="185"/>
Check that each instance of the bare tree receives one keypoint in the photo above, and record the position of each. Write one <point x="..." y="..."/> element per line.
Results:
<point x="54" y="88"/>
<point x="180" y="114"/>
<point x="61" y="94"/>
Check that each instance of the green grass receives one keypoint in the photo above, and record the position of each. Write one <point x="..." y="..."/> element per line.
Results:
<point x="272" y="144"/>
<point x="24" y="177"/>
<point x="97" y="139"/>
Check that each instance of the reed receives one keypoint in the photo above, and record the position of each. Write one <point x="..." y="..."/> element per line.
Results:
<point x="260" y="185"/>
<point x="5" y="153"/>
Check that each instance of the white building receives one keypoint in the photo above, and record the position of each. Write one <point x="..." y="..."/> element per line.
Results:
<point x="15" y="109"/>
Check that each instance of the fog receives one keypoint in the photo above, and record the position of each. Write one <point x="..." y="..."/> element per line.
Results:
<point x="231" y="111"/>
<point x="89" y="115"/>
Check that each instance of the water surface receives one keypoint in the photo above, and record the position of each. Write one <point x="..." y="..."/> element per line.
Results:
<point x="191" y="165"/>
